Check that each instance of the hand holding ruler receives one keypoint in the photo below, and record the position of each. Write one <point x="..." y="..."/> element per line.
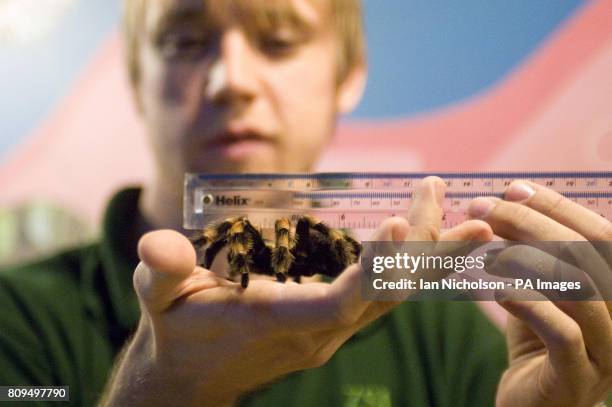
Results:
<point x="363" y="200"/>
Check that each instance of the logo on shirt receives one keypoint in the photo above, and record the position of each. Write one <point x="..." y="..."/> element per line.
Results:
<point x="356" y="395"/>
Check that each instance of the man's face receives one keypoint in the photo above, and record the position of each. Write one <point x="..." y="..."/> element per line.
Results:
<point x="221" y="91"/>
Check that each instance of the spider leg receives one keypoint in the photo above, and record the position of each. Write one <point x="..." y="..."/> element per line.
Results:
<point x="345" y="246"/>
<point x="261" y="250"/>
<point x="216" y="234"/>
<point x="301" y="251"/>
<point x="342" y="250"/>
<point x="240" y="243"/>
<point x="355" y="244"/>
<point x="336" y="249"/>
<point x="198" y="239"/>
<point x="282" y="258"/>
<point x="212" y="251"/>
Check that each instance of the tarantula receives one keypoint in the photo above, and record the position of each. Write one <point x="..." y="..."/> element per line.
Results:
<point x="314" y="248"/>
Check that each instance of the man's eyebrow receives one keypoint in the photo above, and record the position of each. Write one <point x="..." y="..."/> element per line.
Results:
<point x="177" y="16"/>
<point x="256" y="16"/>
<point x="271" y="17"/>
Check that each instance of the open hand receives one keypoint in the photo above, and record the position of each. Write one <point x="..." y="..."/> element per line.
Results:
<point x="560" y="352"/>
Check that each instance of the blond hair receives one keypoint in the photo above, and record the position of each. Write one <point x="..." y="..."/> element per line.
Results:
<point x="346" y="15"/>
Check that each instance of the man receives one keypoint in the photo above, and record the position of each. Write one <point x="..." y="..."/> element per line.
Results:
<point x="235" y="86"/>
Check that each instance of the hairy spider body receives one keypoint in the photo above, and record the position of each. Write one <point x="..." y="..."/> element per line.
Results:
<point x="313" y="248"/>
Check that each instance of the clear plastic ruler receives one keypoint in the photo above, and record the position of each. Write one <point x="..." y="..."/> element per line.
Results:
<point x="360" y="201"/>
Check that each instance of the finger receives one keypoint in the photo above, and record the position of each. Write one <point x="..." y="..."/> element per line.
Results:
<point x="514" y="221"/>
<point x="576" y="262"/>
<point x="168" y="260"/>
<point x="475" y="230"/>
<point x="554" y="205"/>
<point x="393" y="229"/>
<point x="347" y="287"/>
<point x="568" y="213"/>
<point x="463" y="238"/>
<point x="457" y="241"/>
<point x="571" y="214"/>
<point x="586" y="257"/>
<point x="425" y="213"/>
<point x="558" y="331"/>
<point x="537" y="266"/>
<point x="594" y="320"/>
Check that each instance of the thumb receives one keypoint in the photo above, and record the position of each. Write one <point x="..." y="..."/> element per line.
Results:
<point x="167" y="260"/>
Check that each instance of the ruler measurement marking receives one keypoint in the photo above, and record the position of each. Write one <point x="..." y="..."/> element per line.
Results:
<point x="353" y="200"/>
<point x="415" y="175"/>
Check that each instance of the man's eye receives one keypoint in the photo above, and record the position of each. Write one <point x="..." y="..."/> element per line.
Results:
<point x="183" y="47"/>
<point x="277" y="47"/>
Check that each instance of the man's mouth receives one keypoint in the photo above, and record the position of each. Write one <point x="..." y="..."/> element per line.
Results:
<point x="227" y="137"/>
<point x="238" y="144"/>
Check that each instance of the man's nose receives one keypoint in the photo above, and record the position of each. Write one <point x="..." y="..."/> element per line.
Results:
<point x="232" y="77"/>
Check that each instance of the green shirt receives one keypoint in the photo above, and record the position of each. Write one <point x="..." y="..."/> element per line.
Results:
<point x="64" y="319"/>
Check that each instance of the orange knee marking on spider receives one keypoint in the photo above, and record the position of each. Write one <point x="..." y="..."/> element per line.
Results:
<point x="214" y="231"/>
<point x="282" y="258"/>
<point x="336" y="235"/>
<point x="311" y="220"/>
<point x="282" y="229"/>
<point x="282" y="223"/>
<point x="240" y="241"/>
<point x="210" y="234"/>
<point x="237" y="227"/>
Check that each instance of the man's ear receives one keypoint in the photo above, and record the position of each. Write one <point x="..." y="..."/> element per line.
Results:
<point x="352" y="87"/>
